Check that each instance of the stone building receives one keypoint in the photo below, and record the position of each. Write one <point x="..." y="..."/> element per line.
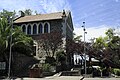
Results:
<point x="34" y="25"/>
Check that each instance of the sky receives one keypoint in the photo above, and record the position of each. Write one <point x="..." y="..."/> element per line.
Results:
<point x="98" y="15"/>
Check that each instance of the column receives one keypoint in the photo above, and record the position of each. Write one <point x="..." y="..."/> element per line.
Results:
<point x="48" y="28"/>
<point x="43" y="28"/>
<point x="37" y="27"/>
<point x="31" y="29"/>
<point x="26" y="29"/>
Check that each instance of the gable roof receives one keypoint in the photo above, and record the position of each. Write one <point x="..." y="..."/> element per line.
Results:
<point x="40" y="17"/>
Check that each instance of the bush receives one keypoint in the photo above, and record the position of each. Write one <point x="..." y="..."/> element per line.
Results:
<point x="61" y="56"/>
<point x="105" y="72"/>
<point x="61" y="61"/>
<point x="96" y="72"/>
<point x="46" y="67"/>
<point x="116" y="71"/>
<point x="50" y="60"/>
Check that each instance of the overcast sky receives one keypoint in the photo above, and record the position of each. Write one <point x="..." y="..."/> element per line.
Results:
<point x="99" y="15"/>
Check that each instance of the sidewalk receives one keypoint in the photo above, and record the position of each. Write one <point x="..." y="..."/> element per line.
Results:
<point x="66" y="78"/>
<point x="53" y="78"/>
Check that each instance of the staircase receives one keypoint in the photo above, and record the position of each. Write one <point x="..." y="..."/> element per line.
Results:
<point x="73" y="72"/>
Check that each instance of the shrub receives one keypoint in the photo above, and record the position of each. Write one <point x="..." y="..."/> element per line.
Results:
<point x="116" y="71"/>
<point x="61" y="56"/>
<point x="46" y="67"/>
<point x="50" y="60"/>
<point x="61" y="61"/>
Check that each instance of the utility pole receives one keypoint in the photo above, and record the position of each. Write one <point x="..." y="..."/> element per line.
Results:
<point x="84" y="47"/>
<point x="10" y="53"/>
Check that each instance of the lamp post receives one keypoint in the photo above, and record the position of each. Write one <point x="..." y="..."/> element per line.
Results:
<point x="10" y="53"/>
<point x="84" y="47"/>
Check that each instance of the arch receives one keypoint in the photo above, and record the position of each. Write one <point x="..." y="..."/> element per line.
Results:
<point x="34" y="28"/>
<point x="24" y="28"/>
<point x="46" y="27"/>
<point x="29" y="29"/>
<point x="40" y="28"/>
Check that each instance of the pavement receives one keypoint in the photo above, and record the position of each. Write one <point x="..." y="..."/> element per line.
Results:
<point x="65" y="78"/>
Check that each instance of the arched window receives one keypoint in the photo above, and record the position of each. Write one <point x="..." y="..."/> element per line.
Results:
<point x="40" y="28"/>
<point x="34" y="29"/>
<point x="46" y="28"/>
<point x="24" y="28"/>
<point x="29" y="29"/>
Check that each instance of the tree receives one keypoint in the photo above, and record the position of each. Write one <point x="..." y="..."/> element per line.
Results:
<point x="114" y="45"/>
<point x="4" y="35"/>
<point x="6" y="14"/>
<point x="50" y="42"/>
<point x="36" y="13"/>
<point x="21" y="44"/>
<point x="18" y="37"/>
<point x="73" y="46"/>
<point x="61" y="60"/>
<point x="28" y="12"/>
<point x="107" y="48"/>
<point x="77" y="39"/>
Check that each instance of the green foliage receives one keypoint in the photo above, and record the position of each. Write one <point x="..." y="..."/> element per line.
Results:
<point x="50" y="60"/>
<point x="77" y="38"/>
<point x="108" y="47"/>
<point x="20" y="42"/>
<point x="46" y="67"/>
<point x="7" y="14"/>
<point x="116" y="71"/>
<point x="4" y="34"/>
<point x="100" y="43"/>
<point x="28" y="12"/>
<point x="110" y="33"/>
<point x="101" y="69"/>
<point x="60" y="56"/>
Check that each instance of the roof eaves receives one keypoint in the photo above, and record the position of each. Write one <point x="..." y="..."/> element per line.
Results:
<point x="35" y="20"/>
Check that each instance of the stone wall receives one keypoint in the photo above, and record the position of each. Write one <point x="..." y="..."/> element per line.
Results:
<point x="56" y="25"/>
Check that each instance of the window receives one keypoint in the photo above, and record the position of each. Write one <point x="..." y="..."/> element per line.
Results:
<point x="24" y="28"/>
<point x="46" y="28"/>
<point x="34" y="29"/>
<point x="29" y="29"/>
<point x="40" y="28"/>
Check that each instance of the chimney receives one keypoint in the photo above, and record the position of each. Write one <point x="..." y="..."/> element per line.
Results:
<point x="63" y="14"/>
<point x="22" y="14"/>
